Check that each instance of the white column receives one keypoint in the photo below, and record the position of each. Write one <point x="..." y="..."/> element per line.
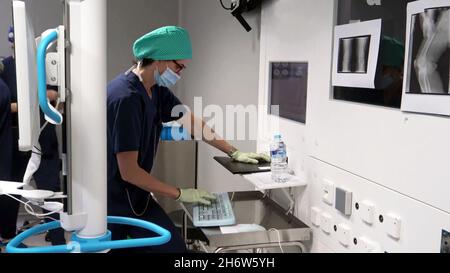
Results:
<point x="88" y="105"/>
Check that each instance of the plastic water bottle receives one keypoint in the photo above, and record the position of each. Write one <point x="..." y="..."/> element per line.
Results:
<point x="279" y="163"/>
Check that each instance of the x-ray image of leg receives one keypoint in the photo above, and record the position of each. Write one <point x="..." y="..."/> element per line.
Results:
<point x="347" y="55"/>
<point x="362" y="47"/>
<point x="435" y="43"/>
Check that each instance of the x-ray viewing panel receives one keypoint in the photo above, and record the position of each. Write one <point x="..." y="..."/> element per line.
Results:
<point x="356" y="48"/>
<point x="389" y="75"/>
<point x="288" y="90"/>
<point x="429" y="58"/>
<point x="354" y="54"/>
<point x="426" y="81"/>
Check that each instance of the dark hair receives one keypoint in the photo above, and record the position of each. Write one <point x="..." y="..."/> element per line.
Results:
<point x="145" y="62"/>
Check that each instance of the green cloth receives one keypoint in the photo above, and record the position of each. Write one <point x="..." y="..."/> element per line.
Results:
<point x="392" y="52"/>
<point x="164" y="44"/>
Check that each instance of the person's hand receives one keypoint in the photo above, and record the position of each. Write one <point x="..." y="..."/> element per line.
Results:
<point x="196" y="196"/>
<point x="250" y="158"/>
<point x="14" y="108"/>
<point x="52" y="95"/>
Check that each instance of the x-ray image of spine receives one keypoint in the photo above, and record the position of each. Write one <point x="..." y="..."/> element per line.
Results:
<point x="362" y="49"/>
<point x="353" y="54"/>
<point x="346" y="54"/>
<point x="431" y="41"/>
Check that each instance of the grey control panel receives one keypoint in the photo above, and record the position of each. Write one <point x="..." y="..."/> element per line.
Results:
<point x="344" y="201"/>
<point x="445" y="245"/>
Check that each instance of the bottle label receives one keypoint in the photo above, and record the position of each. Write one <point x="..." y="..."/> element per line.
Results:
<point x="278" y="153"/>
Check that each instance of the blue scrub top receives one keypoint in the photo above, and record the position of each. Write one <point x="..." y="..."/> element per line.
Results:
<point x="134" y="125"/>
<point x="9" y="76"/>
<point x="6" y="147"/>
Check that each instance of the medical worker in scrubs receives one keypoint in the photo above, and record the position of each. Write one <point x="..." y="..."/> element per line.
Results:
<point x="139" y="102"/>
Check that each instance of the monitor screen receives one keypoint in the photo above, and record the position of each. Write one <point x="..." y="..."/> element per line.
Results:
<point x="288" y="90"/>
<point x="27" y="95"/>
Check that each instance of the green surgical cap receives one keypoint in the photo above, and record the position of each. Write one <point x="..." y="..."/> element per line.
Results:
<point x="164" y="44"/>
<point x="392" y="52"/>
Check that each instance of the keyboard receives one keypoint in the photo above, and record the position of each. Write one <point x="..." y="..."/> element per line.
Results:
<point x="219" y="213"/>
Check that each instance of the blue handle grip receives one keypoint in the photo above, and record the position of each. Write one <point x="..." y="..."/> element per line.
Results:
<point x="42" y="76"/>
<point x="90" y="246"/>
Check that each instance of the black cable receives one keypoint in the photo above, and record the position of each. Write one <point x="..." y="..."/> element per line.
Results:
<point x="223" y="6"/>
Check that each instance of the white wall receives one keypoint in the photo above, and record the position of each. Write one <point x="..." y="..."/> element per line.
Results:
<point x="224" y="71"/>
<point x="397" y="161"/>
<point x="45" y="14"/>
<point x="420" y="228"/>
<point x="129" y="20"/>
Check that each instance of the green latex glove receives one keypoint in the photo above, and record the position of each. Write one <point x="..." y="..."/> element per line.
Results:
<point x="250" y="158"/>
<point x="196" y="196"/>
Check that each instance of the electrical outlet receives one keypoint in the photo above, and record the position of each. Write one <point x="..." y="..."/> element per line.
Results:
<point x="344" y="234"/>
<point x="328" y="192"/>
<point x="393" y="226"/>
<point x="367" y="211"/>
<point x="365" y="245"/>
<point x="326" y="223"/>
<point x="315" y="216"/>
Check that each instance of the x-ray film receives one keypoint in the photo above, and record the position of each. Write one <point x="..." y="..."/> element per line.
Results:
<point x="354" y="55"/>
<point x="356" y="49"/>
<point x="426" y="86"/>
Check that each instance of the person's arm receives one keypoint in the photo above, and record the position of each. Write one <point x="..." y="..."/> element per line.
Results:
<point x="200" y="130"/>
<point x="52" y="95"/>
<point x="131" y="172"/>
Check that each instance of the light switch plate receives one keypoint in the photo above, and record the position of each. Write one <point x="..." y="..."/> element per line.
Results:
<point x="344" y="233"/>
<point x="393" y="226"/>
<point x="367" y="211"/>
<point x="326" y="223"/>
<point x="328" y="192"/>
<point x="315" y="216"/>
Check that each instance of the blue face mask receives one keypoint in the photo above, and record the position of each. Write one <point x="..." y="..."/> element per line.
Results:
<point x="167" y="79"/>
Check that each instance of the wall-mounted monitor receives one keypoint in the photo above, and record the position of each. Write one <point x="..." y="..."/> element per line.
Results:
<point x="288" y="90"/>
<point x="27" y="95"/>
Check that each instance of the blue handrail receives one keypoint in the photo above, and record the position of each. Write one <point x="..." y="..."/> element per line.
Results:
<point x="42" y="77"/>
<point x="90" y="246"/>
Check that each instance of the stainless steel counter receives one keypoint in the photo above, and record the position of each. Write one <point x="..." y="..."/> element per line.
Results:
<point x="256" y="208"/>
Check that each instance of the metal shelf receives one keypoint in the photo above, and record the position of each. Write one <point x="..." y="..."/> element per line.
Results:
<point x="263" y="181"/>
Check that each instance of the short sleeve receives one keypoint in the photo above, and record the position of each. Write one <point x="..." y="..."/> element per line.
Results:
<point x="126" y="126"/>
<point x="172" y="108"/>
